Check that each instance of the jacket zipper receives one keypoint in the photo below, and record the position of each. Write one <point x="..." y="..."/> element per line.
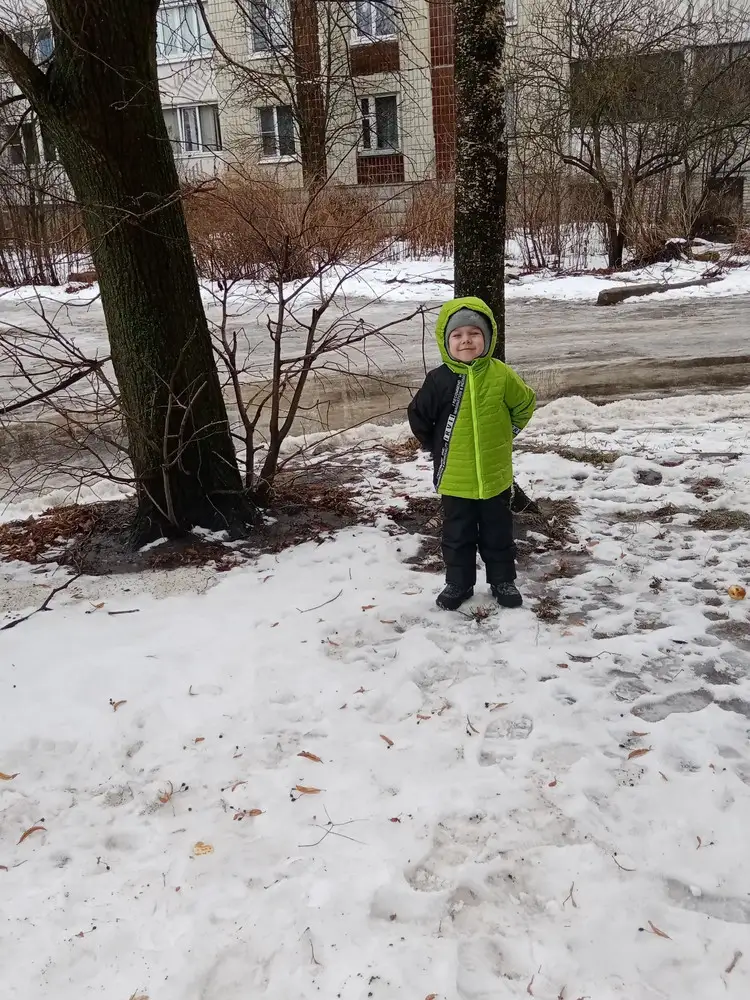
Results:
<point x="475" y="424"/>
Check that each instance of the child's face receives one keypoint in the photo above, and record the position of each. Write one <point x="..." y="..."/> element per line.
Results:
<point x="466" y="343"/>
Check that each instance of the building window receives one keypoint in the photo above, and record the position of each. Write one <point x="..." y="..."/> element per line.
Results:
<point x="379" y="124"/>
<point x="270" y="27"/>
<point x="195" y="129"/>
<point x="37" y="43"/>
<point x="375" y="19"/>
<point x="180" y="31"/>
<point x="28" y="144"/>
<point x="277" y="132"/>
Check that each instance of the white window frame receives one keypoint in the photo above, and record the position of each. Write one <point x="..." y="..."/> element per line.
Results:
<point x="372" y="116"/>
<point x="279" y="157"/>
<point x="284" y="25"/>
<point x="204" y="47"/>
<point x="511" y="12"/>
<point x="367" y="38"/>
<point x="178" y="145"/>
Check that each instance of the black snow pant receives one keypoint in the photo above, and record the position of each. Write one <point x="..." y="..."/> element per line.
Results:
<point x="486" y="525"/>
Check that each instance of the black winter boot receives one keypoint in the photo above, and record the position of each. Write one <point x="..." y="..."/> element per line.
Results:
<point x="453" y="596"/>
<point x="507" y="595"/>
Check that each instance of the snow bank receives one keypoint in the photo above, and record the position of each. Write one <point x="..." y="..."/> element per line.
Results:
<point x="432" y="279"/>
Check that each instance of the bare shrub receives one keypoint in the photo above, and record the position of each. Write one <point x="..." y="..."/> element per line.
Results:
<point x="251" y="226"/>
<point x="428" y="221"/>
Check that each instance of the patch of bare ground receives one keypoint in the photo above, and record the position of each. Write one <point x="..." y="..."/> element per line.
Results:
<point x="588" y="456"/>
<point x="96" y="539"/>
<point x="664" y="515"/>
<point x="722" y="519"/>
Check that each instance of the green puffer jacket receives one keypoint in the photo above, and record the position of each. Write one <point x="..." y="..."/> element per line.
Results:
<point x="467" y="415"/>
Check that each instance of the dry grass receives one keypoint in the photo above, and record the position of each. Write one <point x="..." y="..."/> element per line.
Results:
<point x="663" y="514"/>
<point x="402" y="451"/>
<point x="722" y="519"/>
<point x="589" y="456"/>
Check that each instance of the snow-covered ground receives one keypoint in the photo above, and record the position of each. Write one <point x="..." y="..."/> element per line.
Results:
<point x="298" y="779"/>
<point x="431" y="279"/>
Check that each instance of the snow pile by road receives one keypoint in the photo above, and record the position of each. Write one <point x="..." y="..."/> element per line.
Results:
<point x="307" y="782"/>
<point x="431" y="279"/>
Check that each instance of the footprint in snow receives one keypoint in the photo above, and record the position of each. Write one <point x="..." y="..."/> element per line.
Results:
<point x="458" y="841"/>
<point x="681" y="701"/>
<point x="497" y="743"/>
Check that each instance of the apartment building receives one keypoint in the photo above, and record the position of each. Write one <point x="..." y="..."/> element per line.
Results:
<point x="241" y="81"/>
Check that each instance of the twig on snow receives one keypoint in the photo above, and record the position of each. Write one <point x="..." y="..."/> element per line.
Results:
<point x="44" y="606"/>
<point x="303" y="611"/>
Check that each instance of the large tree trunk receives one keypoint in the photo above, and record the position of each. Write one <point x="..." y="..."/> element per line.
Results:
<point x="100" y="103"/>
<point x="481" y="156"/>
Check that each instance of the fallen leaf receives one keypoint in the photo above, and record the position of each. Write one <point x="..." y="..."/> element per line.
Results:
<point x="28" y="833"/>
<point x="306" y="790"/>
<point x="386" y="740"/>
<point x="387" y="621"/>
<point x="500" y="704"/>
<point x="432" y="996"/>
<point x="310" y="756"/>
<point x="368" y="607"/>
<point x="412" y="592"/>
<point x="736" y="592"/>
<point x="564" y="666"/>
<point x="199" y="739"/>
<point x="394" y="819"/>
<point x="424" y="718"/>
<point x="3" y="868"/>
<point x="8" y="777"/>
<point x="636" y="735"/>
<point x="528" y="988"/>
<point x="332" y="643"/>
<point x="237" y="784"/>
<point x="658" y="932"/>
<point x="248" y="812"/>
<point x="640" y="752"/>
<point x="201" y="848"/>
<point x="552" y="784"/>
<point x="98" y="607"/>
<point x="167" y="794"/>
<point x="361" y="690"/>
<point x="274" y="625"/>
<point x="117" y="704"/>
<point x="700" y="843"/>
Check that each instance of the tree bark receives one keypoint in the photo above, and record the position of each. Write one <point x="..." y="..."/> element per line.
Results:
<point x="481" y="156"/>
<point x="100" y="103"/>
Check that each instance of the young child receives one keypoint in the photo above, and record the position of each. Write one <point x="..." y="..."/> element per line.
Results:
<point x="467" y="414"/>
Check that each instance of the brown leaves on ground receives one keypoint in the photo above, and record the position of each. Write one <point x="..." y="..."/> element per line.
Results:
<point x="117" y="704"/>
<point x="307" y="790"/>
<point x="8" y="777"/>
<point x="28" y="833"/>
<point x="310" y="756"/>
<point x="640" y="752"/>
<point x="201" y="848"/>
<point x="387" y="740"/>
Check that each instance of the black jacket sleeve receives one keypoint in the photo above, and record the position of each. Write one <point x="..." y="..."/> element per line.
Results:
<point x="423" y="413"/>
